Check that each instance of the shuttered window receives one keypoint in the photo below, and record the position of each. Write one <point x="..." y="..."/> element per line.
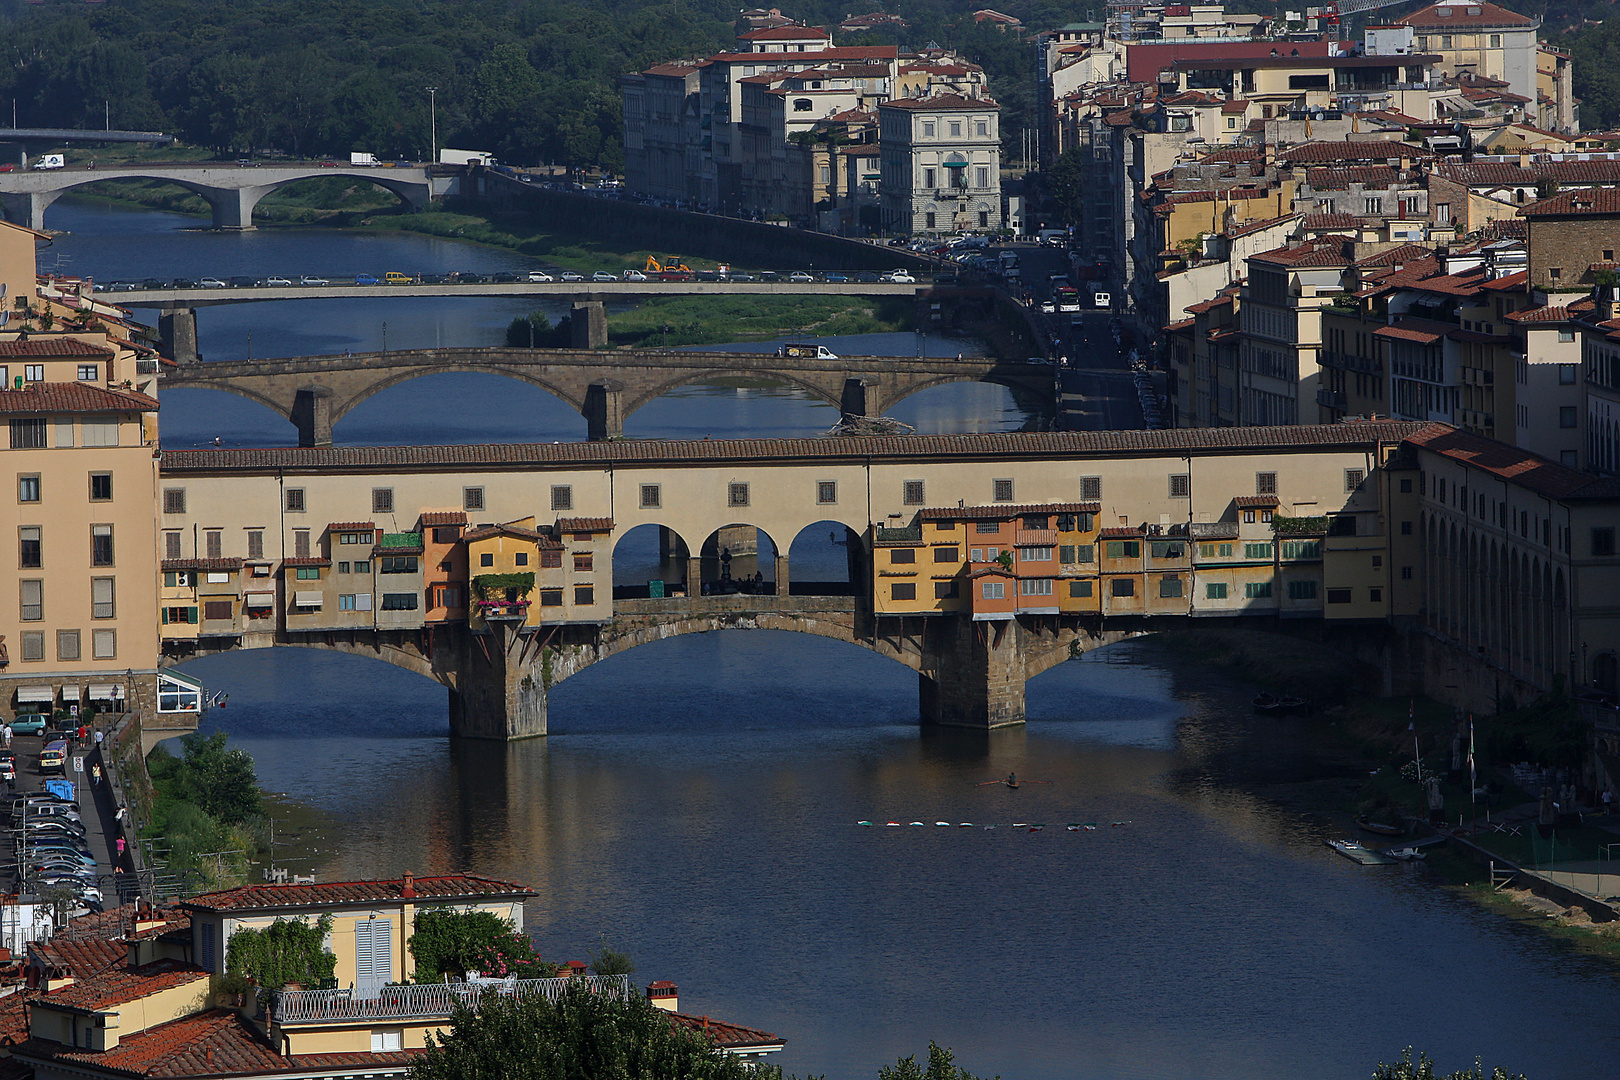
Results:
<point x="373" y="955"/>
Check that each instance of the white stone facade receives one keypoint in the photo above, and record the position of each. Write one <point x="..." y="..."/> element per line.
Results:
<point x="941" y="164"/>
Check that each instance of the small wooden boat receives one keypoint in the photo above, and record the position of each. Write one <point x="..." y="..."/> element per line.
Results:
<point x="1378" y="828"/>
<point x="1405" y="854"/>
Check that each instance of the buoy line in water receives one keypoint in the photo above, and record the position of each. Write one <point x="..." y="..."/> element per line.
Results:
<point x="1029" y="826"/>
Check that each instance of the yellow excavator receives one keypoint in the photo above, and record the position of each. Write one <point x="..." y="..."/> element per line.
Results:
<point x="672" y="266"/>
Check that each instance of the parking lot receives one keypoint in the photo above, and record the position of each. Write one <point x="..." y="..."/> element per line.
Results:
<point x="58" y="847"/>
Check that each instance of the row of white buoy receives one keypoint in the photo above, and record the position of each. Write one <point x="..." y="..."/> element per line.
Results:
<point x="1037" y="826"/>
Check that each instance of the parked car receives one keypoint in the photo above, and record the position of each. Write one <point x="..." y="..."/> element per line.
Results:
<point x="366" y="279"/>
<point x="571" y="275"/>
<point x="29" y="724"/>
<point x="211" y="283"/>
<point x="307" y="280"/>
<point x="182" y="283"/>
<point x="278" y="281"/>
<point x="867" y="277"/>
<point x="742" y="276"/>
<point x="799" y="277"/>
<point x="604" y="276"/>
<point x="836" y="278"/>
<point x="243" y="282"/>
<point x="539" y="277"/>
<point x="900" y="277"/>
<point x="634" y="275"/>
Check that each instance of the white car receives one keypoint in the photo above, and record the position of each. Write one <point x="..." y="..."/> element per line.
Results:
<point x="603" y="275"/>
<point x="307" y="280"/>
<point x="211" y="283"/>
<point x="539" y="276"/>
<point x="799" y="277"/>
<point x="634" y="275"/>
<point x="277" y="281"/>
<point x="899" y="277"/>
<point x="572" y="275"/>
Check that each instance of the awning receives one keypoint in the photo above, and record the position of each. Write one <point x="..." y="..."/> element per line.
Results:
<point x="261" y="599"/>
<point x="188" y="681"/>
<point x="70" y="695"/>
<point x="306" y="599"/>
<point x="43" y="694"/>
<point x="106" y="691"/>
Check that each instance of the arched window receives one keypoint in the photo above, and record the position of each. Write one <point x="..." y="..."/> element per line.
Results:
<point x="803" y="104"/>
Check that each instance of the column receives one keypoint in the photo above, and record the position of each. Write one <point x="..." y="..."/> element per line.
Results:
<point x="781" y="575"/>
<point x="177" y="330"/>
<point x="587" y="325"/>
<point x="312" y="412"/>
<point x="978" y="679"/>
<point x="855" y="401"/>
<point x="500" y="690"/>
<point x="604" y="410"/>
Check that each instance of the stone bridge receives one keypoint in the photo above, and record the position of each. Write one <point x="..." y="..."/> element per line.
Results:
<point x="314" y="392"/>
<point x="232" y="191"/>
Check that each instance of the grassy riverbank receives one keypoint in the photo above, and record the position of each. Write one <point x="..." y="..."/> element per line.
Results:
<point x="708" y="320"/>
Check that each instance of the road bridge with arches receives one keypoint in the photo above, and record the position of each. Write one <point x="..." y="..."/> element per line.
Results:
<point x="231" y="191"/>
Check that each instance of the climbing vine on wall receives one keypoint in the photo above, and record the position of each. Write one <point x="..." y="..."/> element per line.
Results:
<point x="286" y="951"/>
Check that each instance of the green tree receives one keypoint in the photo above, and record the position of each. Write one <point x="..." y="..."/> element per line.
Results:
<point x="608" y="961"/>
<point x="581" y="1036"/>
<point x="449" y="942"/>
<point x="941" y="1066"/>
<point x="286" y="951"/>
<point x="221" y="782"/>
<point x="1423" y="1069"/>
<point x="1066" y="184"/>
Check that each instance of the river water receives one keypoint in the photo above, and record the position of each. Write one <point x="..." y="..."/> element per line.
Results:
<point x="697" y="802"/>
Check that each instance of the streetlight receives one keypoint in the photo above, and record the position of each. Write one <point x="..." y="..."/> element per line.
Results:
<point x="433" y="123"/>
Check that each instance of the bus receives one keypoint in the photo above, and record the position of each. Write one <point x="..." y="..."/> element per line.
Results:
<point x="1067" y="297"/>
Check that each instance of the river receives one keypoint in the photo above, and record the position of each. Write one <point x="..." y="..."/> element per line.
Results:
<point x="697" y="803"/>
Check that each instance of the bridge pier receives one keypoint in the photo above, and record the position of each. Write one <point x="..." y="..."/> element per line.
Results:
<point x="501" y="688"/>
<point x="604" y="409"/>
<point x="233" y="207"/>
<point x="978" y="679"/>
<point x="856" y="399"/>
<point x="587" y="325"/>
<point x="28" y="207"/>
<point x="177" y="331"/>
<point x="312" y="412"/>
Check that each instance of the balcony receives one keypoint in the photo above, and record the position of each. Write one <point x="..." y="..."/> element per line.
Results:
<point x="423" y="1001"/>
<point x="1330" y="399"/>
<point x="1214" y="530"/>
<point x="497" y="610"/>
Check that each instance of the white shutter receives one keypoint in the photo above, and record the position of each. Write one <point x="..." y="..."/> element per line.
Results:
<point x="373" y="956"/>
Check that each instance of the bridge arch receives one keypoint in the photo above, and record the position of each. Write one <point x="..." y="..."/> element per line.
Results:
<point x="282" y="409"/>
<point x="568" y="397"/>
<point x="829" y="392"/>
<point x="405" y="653"/>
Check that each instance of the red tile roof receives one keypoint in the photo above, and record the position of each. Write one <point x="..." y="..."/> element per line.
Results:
<point x="727" y="1036"/>
<point x="1255" y="500"/>
<point x="584" y="525"/>
<point x="1121" y="531"/>
<point x="1340" y="177"/>
<point x="1331" y="221"/>
<point x="306" y="560"/>
<point x="351" y="526"/>
<point x="1363" y="150"/>
<point x="1547" y="314"/>
<point x="216" y="1042"/>
<point x="202" y="564"/>
<point x="1413" y="333"/>
<point x="1508" y="282"/>
<point x="1403" y="256"/>
<point x="1325" y="252"/>
<point x="1468" y="14"/>
<point x="1006" y="511"/>
<point x="83" y="959"/>
<point x="1184" y="324"/>
<point x="444" y="517"/>
<point x="123" y="985"/>
<point x="46" y="348"/>
<point x="483" y="532"/>
<point x="1593" y="201"/>
<point x="341" y="893"/>
<point x="74" y="397"/>
<point x="785" y="33"/>
<point x="14" y="1016"/>
<point x="1509" y="462"/>
<point x="941" y="101"/>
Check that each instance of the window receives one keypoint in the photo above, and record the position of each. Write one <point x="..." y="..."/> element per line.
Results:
<point x="385" y="1040"/>
<point x="31" y="594"/>
<point x="911" y="493"/>
<point x="1374" y="205"/>
<point x="1180" y="485"/>
<point x="928" y="220"/>
<point x="1566" y="372"/>
<point x="1248" y="517"/>
<point x="89" y="372"/>
<point x="182" y="616"/>
<point x="803" y="104"/>
<point x="1257" y="551"/>
<point x="551" y="559"/>
<point x="982" y="180"/>
<point x="103" y="644"/>
<point x="1375" y="595"/>
<point x="1302" y="590"/>
<point x="355" y="538"/>
<point x="903" y="591"/>
<point x="945" y="590"/>
<point x="103" y="603"/>
<point x="1079" y="588"/>
<point x="295" y="500"/>
<point x="947" y="554"/>
<point x="67" y="644"/>
<point x="1406" y="528"/>
<point x="1035" y="587"/>
<point x="583" y="561"/>
<point x="562" y="497"/>
<point x="1257" y="590"/>
<point x="216" y="610"/>
<point x="1167" y="549"/>
<point x="1302" y="549"/>
<point x="171" y="545"/>
<point x="28" y="434"/>
<point x="1215" y="590"/>
<point x="1555" y="272"/>
<point x="101" y="545"/>
<point x="345" y="601"/>
<point x="34" y="372"/>
<point x="736" y="494"/>
<point x="1123" y="587"/>
<point x="1602" y="542"/>
<point x="652" y="496"/>
<point x="399" y="601"/>
<point x="33" y="645"/>
<point x="1265" y="483"/>
<point x="1035" y="554"/>
<point x="1215" y="551"/>
<point x="1566" y="416"/>
<point x="928" y="178"/>
<point x="1496" y="41"/>
<point x="1124" y="549"/>
<point x="1353" y="479"/>
<point x="902" y="556"/>
<point x="29" y="550"/>
<point x="1339" y="596"/>
<point x="486" y="559"/>
<point x="584" y="595"/>
<point x="255" y="543"/>
<point x="826" y="492"/>
<point x="1169" y="586"/>
<point x="521" y="558"/>
<point x="987" y="528"/>
<point x="1406" y="573"/>
<point x="64" y="428"/>
<point x="397" y="564"/>
<point x="1342" y="525"/>
<point x="981" y="128"/>
<point x="174" y="500"/>
<point x="993" y="590"/>
<point x="308" y="573"/>
<point x="28" y="488"/>
<point x="1091" y="488"/>
<point x="215" y="541"/>
<point x="100" y="486"/>
<point x="345" y="568"/>
<point x="928" y="129"/>
<point x="956" y="129"/>
<point x="1406" y="487"/>
<point x="99" y="432"/>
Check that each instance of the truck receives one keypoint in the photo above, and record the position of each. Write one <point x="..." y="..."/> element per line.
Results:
<point x="807" y="352"/>
<point x="465" y="157"/>
<point x="50" y="161"/>
<point x="360" y="157"/>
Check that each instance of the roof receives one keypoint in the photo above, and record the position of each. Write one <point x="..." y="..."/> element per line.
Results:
<point x="1419" y="331"/>
<point x="671" y="70"/>
<point x="1510" y="463"/>
<point x="1255" y="500"/>
<point x="202" y="564"/>
<point x="1547" y="314"/>
<point x="306" y="560"/>
<point x="1451" y="14"/>
<point x="941" y="101"/>
<point x="785" y="33"/>
<point x="343" y="893"/>
<point x="1312" y="253"/>
<point x="1004" y="510"/>
<point x="435" y="518"/>
<point x="1331" y="221"/>
<point x="1122" y="530"/>
<point x="83" y="958"/>
<point x="726" y="1036"/>
<point x="706" y="451"/>
<point x="1360" y="150"/>
<point x="484" y="532"/>
<point x="48" y="347"/>
<point x="351" y="526"/>
<point x="74" y="397"/>
<point x="1340" y="177"/>
<point x="120" y="986"/>
<point x="1594" y="201"/>
<point x="585" y="524"/>
<point x="210" y="1043"/>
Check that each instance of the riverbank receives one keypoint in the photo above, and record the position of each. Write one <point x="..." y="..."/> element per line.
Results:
<point x="715" y="320"/>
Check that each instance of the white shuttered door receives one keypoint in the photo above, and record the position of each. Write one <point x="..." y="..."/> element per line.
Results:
<point x="373" y="956"/>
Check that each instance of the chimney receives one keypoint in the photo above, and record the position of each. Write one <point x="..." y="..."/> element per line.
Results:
<point x="208" y="1056"/>
<point x="1524" y="159"/>
<point x="664" y="995"/>
<point x="408" y="890"/>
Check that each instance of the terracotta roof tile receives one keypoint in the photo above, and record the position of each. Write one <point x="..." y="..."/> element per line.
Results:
<point x="1255" y="500"/>
<point x="74" y="397"/>
<point x="724" y="1035"/>
<point x="340" y="893"/>
<point x="1419" y="331"/>
<point x="1509" y="282"/>
<point x="435" y="518"/>
<point x="14" y="1016"/>
<point x="351" y="526"/>
<point x="306" y="560"/>
<point x="1127" y="531"/>
<point x="45" y="348"/>
<point x="1593" y="201"/>
<point x="1403" y="255"/>
<point x="1363" y="150"/>
<point x="785" y="33"/>
<point x="1459" y="14"/>
<point x="1546" y="314"/>
<point x="584" y="525"/>
<point x="1318" y="253"/>
<point x="941" y="101"/>
<point x="1511" y="463"/>
<point x="211" y="1043"/>
<point x="1006" y="511"/>
<point x="1340" y="177"/>
<point x="202" y="564"/>
<point x="122" y="985"/>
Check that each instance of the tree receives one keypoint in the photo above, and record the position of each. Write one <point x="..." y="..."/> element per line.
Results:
<point x="1423" y="1069"/>
<point x="449" y="942"/>
<point x="222" y="783"/>
<point x="608" y="961"/>
<point x="941" y="1066"/>
<point x="286" y="951"/>
<point x="1066" y="184"/>
<point x="582" y="1036"/>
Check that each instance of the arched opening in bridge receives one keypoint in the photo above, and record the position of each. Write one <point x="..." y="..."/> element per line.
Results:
<point x="162" y="196"/>
<point x="459" y="407"/>
<point x="826" y="558"/>
<point x="738" y="559"/>
<point x="966" y="407"/>
<point x="647" y="560"/>
<point x="732" y="408"/>
<point x="193" y="419"/>
<point x="324" y="197"/>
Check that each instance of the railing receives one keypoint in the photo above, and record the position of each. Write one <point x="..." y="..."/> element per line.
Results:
<point x="413" y="1001"/>
<point x="503" y="609"/>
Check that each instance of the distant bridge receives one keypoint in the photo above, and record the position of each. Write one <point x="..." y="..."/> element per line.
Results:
<point x="232" y="191"/>
<point x="314" y="392"/>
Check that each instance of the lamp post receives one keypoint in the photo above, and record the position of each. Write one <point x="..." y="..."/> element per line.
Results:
<point x="433" y="124"/>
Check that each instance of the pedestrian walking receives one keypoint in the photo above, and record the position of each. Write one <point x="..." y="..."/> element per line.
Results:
<point x="120" y="844"/>
<point x="7" y="732"/>
<point x="99" y="733"/>
<point x="95" y="775"/>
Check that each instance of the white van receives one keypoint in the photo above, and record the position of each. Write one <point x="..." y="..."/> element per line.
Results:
<point x="51" y="161"/>
<point x="807" y="352"/>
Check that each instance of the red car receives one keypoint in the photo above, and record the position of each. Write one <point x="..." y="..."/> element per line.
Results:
<point x="8" y="167"/>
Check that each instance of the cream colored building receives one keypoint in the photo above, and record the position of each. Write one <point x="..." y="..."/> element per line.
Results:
<point x="941" y="164"/>
<point x="1474" y="37"/>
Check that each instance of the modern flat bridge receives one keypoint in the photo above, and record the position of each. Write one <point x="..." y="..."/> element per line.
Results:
<point x="231" y="191"/>
<point x="178" y="299"/>
<point x="604" y="385"/>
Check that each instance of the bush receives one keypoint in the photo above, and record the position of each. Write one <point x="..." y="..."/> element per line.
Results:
<point x="448" y="942"/>
<point x="286" y="951"/>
